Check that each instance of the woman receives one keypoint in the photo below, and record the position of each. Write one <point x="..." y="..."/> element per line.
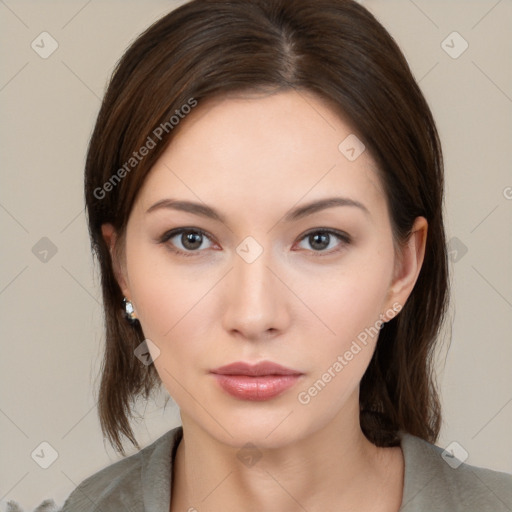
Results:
<point x="264" y="188"/>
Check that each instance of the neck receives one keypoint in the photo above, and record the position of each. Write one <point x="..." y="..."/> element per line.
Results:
<point x="335" y="464"/>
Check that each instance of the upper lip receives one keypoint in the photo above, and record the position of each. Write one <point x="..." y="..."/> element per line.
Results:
<point x="262" y="368"/>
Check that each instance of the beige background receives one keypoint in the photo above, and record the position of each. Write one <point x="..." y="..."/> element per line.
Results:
<point x="50" y="311"/>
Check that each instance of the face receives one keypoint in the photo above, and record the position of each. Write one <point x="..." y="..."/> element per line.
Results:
<point x="264" y="278"/>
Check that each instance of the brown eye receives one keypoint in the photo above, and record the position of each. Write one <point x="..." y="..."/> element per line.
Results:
<point x="319" y="240"/>
<point x="191" y="239"/>
<point x="322" y="239"/>
<point x="185" y="241"/>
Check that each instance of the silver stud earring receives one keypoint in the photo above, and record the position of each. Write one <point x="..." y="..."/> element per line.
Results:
<point x="129" y="310"/>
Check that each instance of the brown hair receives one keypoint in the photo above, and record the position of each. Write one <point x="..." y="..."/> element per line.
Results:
<point x="338" y="50"/>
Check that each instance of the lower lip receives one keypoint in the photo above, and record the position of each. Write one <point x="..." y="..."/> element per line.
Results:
<point x="259" y="388"/>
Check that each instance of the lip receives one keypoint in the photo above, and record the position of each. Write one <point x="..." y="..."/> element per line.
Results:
<point x="258" y="382"/>
<point x="255" y="370"/>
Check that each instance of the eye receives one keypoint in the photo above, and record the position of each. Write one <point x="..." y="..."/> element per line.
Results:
<point x="322" y="239"/>
<point x="187" y="240"/>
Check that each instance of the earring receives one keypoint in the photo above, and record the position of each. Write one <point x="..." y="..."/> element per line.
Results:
<point x="129" y="311"/>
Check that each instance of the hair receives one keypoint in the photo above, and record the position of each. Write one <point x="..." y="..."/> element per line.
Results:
<point x="337" y="50"/>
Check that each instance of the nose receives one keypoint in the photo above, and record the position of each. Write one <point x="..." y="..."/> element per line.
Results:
<point x="256" y="298"/>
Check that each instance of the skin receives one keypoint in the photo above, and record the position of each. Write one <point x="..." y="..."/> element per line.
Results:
<point x="300" y="304"/>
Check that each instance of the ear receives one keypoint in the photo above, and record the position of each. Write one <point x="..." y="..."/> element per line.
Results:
<point x="409" y="263"/>
<point x="110" y="236"/>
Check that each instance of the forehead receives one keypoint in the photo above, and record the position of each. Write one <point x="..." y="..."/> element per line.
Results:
<point x="262" y="150"/>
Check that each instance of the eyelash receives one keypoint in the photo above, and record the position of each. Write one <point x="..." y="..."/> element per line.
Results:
<point x="343" y="237"/>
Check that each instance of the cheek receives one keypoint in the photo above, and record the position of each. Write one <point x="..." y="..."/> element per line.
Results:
<point x="174" y="308"/>
<point x="351" y="310"/>
<point x="349" y="300"/>
<point x="349" y="304"/>
<point x="163" y="295"/>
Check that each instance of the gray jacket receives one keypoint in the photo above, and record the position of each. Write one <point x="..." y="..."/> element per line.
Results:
<point x="433" y="480"/>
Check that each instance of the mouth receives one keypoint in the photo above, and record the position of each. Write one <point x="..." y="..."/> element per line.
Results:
<point x="258" y="382"/>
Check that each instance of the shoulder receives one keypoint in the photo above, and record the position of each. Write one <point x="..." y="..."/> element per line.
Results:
<point x="435" y="479"/>
<point x="122" y="483"/>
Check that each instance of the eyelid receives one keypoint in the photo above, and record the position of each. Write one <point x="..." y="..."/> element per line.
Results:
<point x="340" y="234"/>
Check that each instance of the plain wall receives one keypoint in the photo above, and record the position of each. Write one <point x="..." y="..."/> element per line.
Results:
<point x="51" y="315"/>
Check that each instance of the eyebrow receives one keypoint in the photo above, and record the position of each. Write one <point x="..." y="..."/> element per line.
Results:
<point x="299" y="212"/>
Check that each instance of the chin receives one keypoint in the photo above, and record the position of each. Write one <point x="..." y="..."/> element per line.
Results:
<point x="263" y="427"/>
